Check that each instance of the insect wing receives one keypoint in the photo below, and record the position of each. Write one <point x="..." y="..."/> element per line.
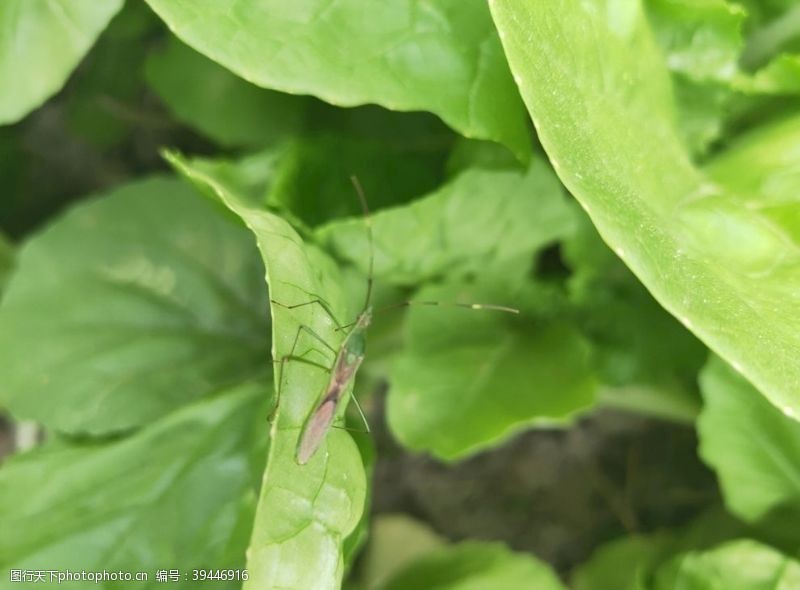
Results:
<point x="315" y="431"/>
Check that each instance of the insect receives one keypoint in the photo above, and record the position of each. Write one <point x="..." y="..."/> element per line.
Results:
<point x="349" y="355"/>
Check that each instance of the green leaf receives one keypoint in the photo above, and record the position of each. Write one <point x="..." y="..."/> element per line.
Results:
<point x="753" y="447"/>
<point x="312" y="176"/>
<point x="442" y="57"/>
<point x="704" y="109"/>
<point x="476" y="153"/>
<point x="104" y="102"/>
<point x="623" y="564"/>
<point x="742" y="564"/>
<point x="779" y="76"/>
<point x="702" y="42"/>
<point x="40" y="45"/>
<point x="396" y="541"/>
<point x="776" y="28"/>
<point x="722" y="269"/>
<point x="219" y="104"/>
<point x="305" y="512"/>
<point x="701" y="39"/>
<point x="628" y="563"/>
<point x="764" y="167"/>
<point x="129" y="306"/>
<point x="180" y="493"/>
<point x="467" y="380"/>
<point x="647" y="361"/>
<point x="474" y="566"/>
<point x="479" y="218"/>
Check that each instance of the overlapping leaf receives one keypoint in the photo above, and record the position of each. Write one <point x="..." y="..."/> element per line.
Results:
<point x="40" y="45"/>
<point x="221" y="105"/>
<point x="179" y="494"/>
<point x="104" y="100"/>
<point x="443" y="56"/>
<point x="312" y="176"/>
<point x="129" y="306"/>
<point x="475" y="220"/>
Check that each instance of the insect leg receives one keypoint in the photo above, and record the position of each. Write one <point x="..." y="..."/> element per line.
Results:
<point x="360" y="411"/>
<point x="323" y="305"/>
<point x="293" y="357"/>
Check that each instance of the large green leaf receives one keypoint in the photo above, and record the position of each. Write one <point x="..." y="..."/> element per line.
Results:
<point x="743" y="565"/>
<point x="219" y="104"/>
<point x="41" y="42"/>
<point x="753" y="447"/>
<point x="477" y="219"/>
<point x="129" y="306"/>
<point x="180" y="493"/>
<point x="305" y="512"/>
<point x="728" y="272"/>
<point x="441" y="56"/>
<point x="467" y="380"/>
<point x="474" y="566"/>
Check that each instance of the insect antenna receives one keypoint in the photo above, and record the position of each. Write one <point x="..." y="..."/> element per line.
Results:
<point x="362" y="197"/>
<point x="475" y="306"/>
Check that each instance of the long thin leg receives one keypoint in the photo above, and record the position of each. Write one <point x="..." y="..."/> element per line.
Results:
<point x="361" y="413"/>
<point x="319" y="302"/>
<point x="292" y="356"/>
<point x="307" y="330"/>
